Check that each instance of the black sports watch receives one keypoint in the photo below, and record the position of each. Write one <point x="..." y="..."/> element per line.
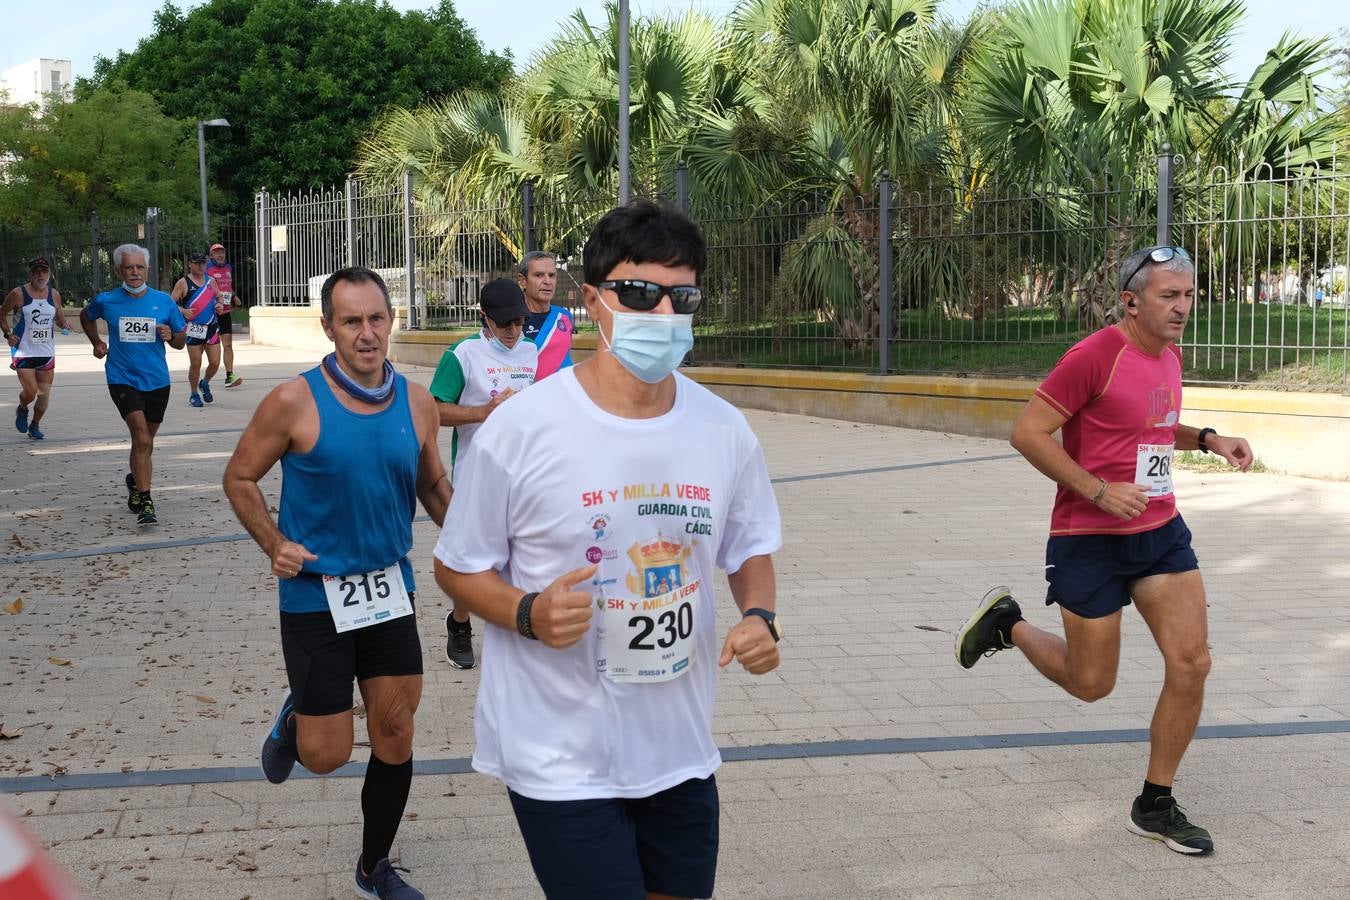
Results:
<point x="770" y="619"/>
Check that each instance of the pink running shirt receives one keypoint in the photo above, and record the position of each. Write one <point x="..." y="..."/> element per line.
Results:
<point x="1122" y="407"/>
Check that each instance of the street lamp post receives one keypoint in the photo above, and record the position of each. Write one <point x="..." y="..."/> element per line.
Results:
<point x="624" y="183"/>
<point x="201" y="158"/>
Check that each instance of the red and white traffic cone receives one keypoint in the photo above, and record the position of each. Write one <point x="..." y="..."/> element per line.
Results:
<point x="26" y="872"/>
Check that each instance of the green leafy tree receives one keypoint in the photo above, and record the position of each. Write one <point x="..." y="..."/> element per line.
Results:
<point x="299" y="80"/>
<point x="111" y="152"/>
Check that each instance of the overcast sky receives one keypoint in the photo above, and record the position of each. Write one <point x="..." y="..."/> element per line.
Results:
<point x="79" y="30"/>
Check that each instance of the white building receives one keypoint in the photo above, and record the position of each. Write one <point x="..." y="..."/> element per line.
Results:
<point x="35" y="80"/>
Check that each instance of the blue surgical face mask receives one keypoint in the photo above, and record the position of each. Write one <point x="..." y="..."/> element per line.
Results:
<point x="135" y="292"/>
<point x="650" y="345"/>
<point x="496" y="343"/>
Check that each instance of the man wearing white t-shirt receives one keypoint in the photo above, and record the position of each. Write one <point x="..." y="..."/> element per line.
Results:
<point x="473" y="378"/>
<point x="586" y="528"/>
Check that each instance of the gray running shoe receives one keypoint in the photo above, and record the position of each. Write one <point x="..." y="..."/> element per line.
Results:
<point x="1167" y="823"/>
<point x="989" y="629"/>
<point x="384" y="883"/>
<point x="459" y="642"/>
<point x="277" y="755"/>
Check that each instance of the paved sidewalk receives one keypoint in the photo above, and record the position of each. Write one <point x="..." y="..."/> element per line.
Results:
<point x="868" y="765"/>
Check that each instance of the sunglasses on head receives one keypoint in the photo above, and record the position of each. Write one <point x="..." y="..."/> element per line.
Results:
<point x="645" y="295"/>
<point x="1159" y="254"/>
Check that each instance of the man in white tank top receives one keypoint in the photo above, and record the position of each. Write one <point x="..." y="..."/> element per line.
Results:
<point x="32" y="342"/>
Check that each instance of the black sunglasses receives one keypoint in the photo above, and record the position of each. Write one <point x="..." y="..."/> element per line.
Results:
<point x="518" y="322"/>
<point x="645" y="295"/>
<point x="1159" y="254"/>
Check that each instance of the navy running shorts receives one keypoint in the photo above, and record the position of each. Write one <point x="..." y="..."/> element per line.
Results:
<point x="321" y="663"/>
<point x="620" y="848"/>
<point x="1090" y="575"/>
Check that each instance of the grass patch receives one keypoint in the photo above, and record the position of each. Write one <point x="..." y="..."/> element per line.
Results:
<point x="1196" y="461"/>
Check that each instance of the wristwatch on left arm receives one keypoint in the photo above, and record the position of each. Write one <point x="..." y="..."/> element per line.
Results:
<point x="770" y="619"/>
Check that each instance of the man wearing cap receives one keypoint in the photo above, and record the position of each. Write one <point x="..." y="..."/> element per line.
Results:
<point x="474" y="377"/>
<point x="32" y="343"/>
<point x="141" y="320"/>
<point x="227" y="299"/>
<point x="548" y="327"/>
<point x="196" y="293"/>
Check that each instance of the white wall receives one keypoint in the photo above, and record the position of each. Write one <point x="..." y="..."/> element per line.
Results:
<point x="32" y="82"/>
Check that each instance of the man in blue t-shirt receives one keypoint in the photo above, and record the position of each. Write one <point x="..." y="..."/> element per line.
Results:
<point x="141" y="320"/>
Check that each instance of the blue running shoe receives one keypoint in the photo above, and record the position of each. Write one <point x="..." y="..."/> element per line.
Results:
<point x="206" y="390"/>
<point x="21" y="419"/>
<point x="195" y="400"/>
<point x="34" y="433"/>
<point x="277" y="754"/>
<point x="384" y="883"/>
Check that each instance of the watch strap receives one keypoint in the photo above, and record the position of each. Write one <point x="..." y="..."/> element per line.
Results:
<point x="770" y="618"/>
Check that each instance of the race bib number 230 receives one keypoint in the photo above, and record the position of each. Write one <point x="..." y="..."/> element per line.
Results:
<point x="650" y="639"/>
<point x="358" y="601"/>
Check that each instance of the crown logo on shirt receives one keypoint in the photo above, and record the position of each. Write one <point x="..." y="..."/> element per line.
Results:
<point x="659" y="566"/>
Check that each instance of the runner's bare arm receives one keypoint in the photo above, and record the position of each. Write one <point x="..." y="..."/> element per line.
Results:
<point x="260" y="447"/>
<point x="559" y="616"/>
<point x="1235" y="450"/>
<point x="433" y="486"/>
<point x="7" y="311"/>
<point x="750" y="641"/>
<point x="452" y="414"/>
<point x="60" y="315"/>
<point x="90" y="327"/>
<point x="1033" y="436"/>
<point x="179" y="290"/>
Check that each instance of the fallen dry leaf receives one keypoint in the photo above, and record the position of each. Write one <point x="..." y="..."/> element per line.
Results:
<point x="9" y="735"/>
<point x="244" y="861"/>
<point x="14" y="608"/>
<point x="58" y="661"/>
<point x="201" y="698"/>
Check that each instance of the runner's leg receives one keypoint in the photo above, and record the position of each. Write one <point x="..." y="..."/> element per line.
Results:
<point x="44" y="393"/>
<point x="1083" y="662"/>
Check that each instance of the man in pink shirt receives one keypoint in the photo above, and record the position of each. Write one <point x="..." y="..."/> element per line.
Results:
<point x="1115" y="533"/>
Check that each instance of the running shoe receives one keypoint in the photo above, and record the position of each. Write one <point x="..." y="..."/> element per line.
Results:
<point x="989" y="629"/>
<point x="1167" y="823"/>
<point x="276" y="756"/>
<point x="458" y="642"/>
<point x="146" y="514"/>
<point x="133" y="495"/>
<point x="21" y="419"/>
<point x="206" y="390"/>
<point x="195" y="400"/>
<point x="232" y="380"/>
<point x="384" y="883"/>
<point x="35" y="433"/>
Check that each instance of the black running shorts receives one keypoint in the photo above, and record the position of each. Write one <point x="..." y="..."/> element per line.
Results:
<point x="321" y="663"/>
<point x="130" y="400"/>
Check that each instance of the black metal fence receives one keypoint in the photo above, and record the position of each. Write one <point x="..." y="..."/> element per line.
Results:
<point x="81" y="255"/>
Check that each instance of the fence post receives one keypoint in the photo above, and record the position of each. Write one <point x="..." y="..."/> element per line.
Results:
<point x="264" y="259"/>
<point x="884" y="301"/>
<point x="351" y="223"/>
<point x="1165" y="187"/>
<point x="410" y="247"/>
<point x="93" y="255"/>
<point x="527" y="215"/>
<point x="152" y="244"/>
<point x="682" y="187"/>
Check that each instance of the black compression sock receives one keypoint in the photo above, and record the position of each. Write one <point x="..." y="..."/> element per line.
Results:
<point x="1148" y="799"/>
<point x="383" y="797"/>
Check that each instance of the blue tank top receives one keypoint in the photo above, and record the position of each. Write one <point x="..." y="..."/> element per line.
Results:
<point x="351" y="499"/>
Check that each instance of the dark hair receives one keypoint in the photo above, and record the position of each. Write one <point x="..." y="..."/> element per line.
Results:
<point x="523" y="267"/>
<point x="643" y="232"/>
<point x="350" y="275"/>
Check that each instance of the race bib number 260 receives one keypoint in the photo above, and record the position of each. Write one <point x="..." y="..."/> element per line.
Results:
<point x="1153" y="468"/>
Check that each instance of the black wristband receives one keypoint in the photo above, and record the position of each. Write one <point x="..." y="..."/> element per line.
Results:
<point x="1200" y="439"/>
<point x="523" y="616"/>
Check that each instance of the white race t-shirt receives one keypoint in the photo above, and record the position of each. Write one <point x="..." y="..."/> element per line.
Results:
<point x="474" y="371"/>
<point x="552" y="483"/>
